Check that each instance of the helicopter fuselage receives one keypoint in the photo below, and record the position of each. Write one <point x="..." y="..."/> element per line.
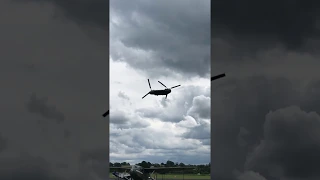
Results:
<point x="160" y="92"/>
<point x="163" y="92"/>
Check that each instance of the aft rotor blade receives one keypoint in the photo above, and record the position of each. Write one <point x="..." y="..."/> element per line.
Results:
<point x="162" y="84"/>
<point x="145" y="95"/>
<point x="175" y="86"/>
<point x="105" y="114"/>
<point x="149" y="84"/>
<point x="218" y="77"/>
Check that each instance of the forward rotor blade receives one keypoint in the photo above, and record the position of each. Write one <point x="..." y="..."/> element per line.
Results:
<point x="145" y="95"/>
<point x="218" y="77"/>
<point x="162" y="84"/>
<point x="149" y="84"/>
<point x="175" y="86"/>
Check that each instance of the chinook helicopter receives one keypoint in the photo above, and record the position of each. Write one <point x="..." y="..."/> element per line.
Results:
<point x="166" y="92"/>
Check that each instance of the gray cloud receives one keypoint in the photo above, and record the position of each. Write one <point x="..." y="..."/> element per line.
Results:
<point x="66" y="133"/>
<point x="53" y="58"/>
<point x="98" y="161"/>
<point x="200" y="107"/>
<point x="41" y="107"/>
<point x="185" y="43"/>
<point x="176" y="41"/>
<point x="202" y="132"/>
<point x="164" y="102"/>
<point x="241" y="137"/>
<point x="95" y="154"/>
<point x="3" y="143"/>
<point x="269" y="22"/>
<point x="26" y="167"/>
<point x="242" y="101"/>
<point x="123" y="96"/>
<point x="250" y="175"/>
<point x="188" y="101"/>
<point x="243" y="104"/>
<point x="167" y="41"/>
<point x="90" y="13"/>
<point x="268" y="51"/>
<point x="121" y="120"/>
<point x="291" y="138"/>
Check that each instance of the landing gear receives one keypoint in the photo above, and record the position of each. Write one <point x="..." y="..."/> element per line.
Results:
<point x="166" y="96"/>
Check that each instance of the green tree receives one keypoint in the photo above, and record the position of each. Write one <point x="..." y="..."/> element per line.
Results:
<point x="182" y="165"/>
<point x="169" y="164"/>
<point x="145" y="164"/>
<point x="116" y="164"/>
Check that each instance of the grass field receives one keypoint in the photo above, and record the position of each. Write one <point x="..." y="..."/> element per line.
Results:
<point x="178" y="176"/>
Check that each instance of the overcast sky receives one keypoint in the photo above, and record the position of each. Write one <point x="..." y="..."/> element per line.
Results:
<point x="54" y="83"/>
<point x="167" y="41"/>
<point x="266" y="112"/>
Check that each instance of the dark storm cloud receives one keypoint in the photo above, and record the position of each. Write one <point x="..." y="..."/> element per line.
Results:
<point x="25" y="167"/>
<point x="178" y="32"/>
<point x="261" y="45"/>
<point x="98" y="160"/>
<point x="175" y="35"/>
<point x="66" y="133"/>
<point x="52" y="58"/>
<point x="90" y="13"/>
<point x="62" y="165"/>
<point x="95" y="154"/>
<point x="291" y="141"/>
<point x="266" y="23"/>
<point x="91" y="16"/>
<point x="243" y="103"/>
<point x="3" y="143"/>
<point x="42" y="107"/>
<point x="241" y="137"/>
<point x="311" y="97"/>
<point x="249" y="175"/>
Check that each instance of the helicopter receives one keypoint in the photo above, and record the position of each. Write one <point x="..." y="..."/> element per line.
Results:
<point x="160" y="92"/>
<point x="169" y="90"/>
<point x="139" y="173"/>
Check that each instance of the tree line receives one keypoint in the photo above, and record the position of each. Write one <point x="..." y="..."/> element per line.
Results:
<point x="202" y="169"/>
